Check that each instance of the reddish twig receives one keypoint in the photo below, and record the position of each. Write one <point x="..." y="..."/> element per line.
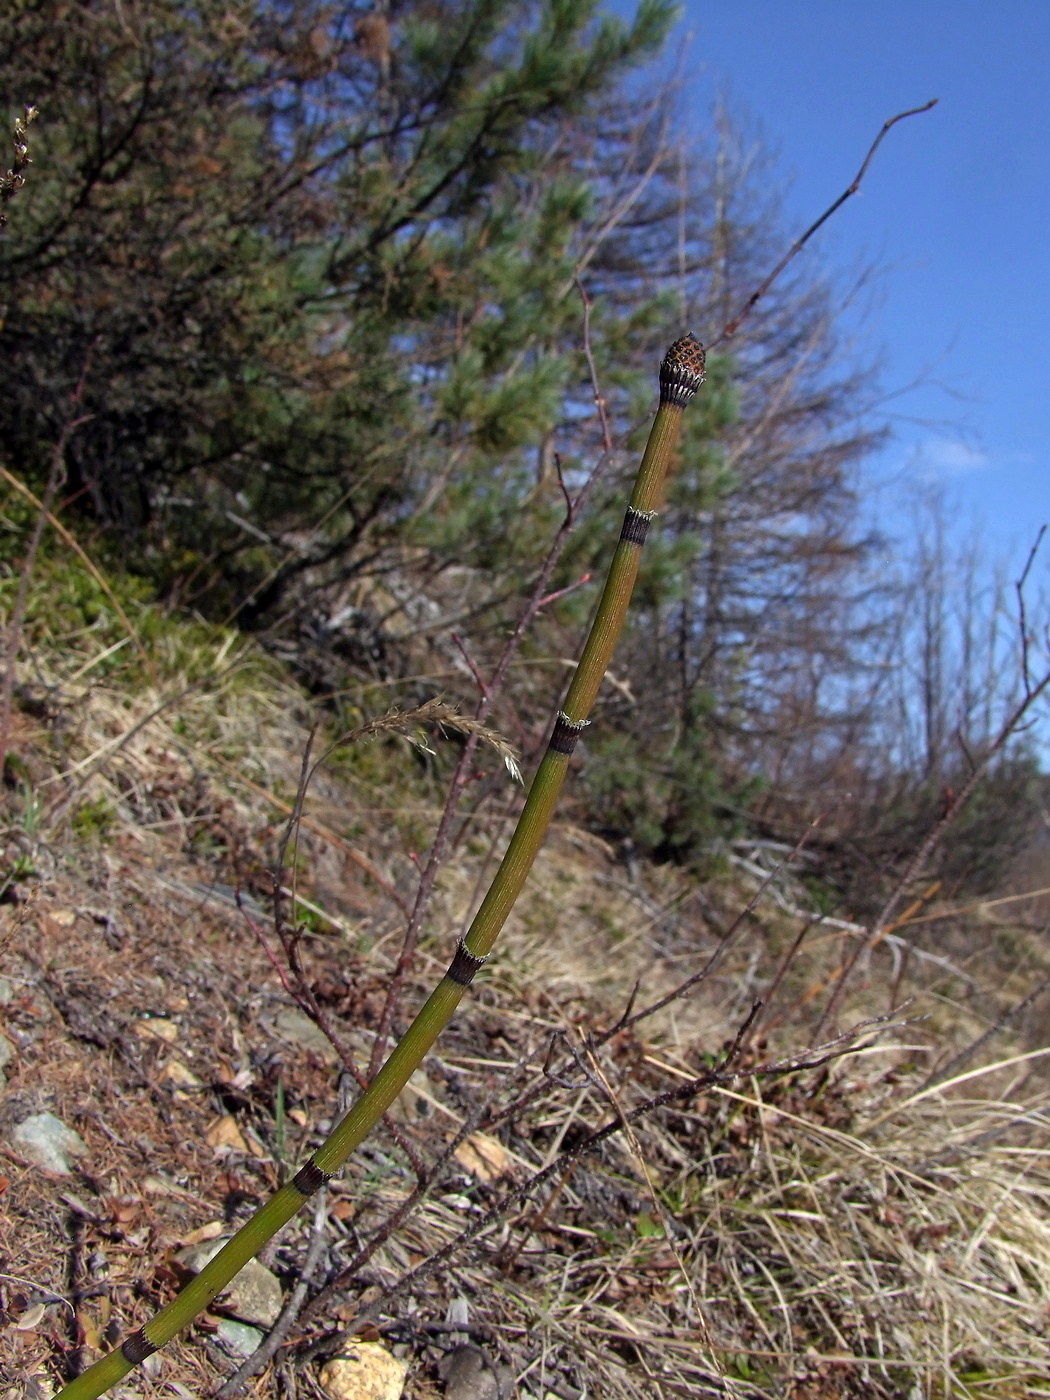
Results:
<point x="291" y="940"/>
<point x="479" y="679"/>
<point x="581" y="582"/>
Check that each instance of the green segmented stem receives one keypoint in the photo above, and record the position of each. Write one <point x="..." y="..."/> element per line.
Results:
<point x="681" y="374"/>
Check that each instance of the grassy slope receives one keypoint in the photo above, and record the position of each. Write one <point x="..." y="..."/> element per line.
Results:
<point x="843" y="1232"/>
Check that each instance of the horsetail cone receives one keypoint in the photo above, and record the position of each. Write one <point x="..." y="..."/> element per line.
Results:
<point x="682" y="371"/>
<point x="681" y="374"/>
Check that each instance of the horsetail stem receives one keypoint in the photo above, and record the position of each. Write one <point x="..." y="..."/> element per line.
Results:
<point x="681" y="374"/>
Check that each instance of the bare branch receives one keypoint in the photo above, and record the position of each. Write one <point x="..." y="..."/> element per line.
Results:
<point x="1022" y="620"/>
<point x="756" y="296"/>
<point x="599" y="397"/>
<point x="820" y="1055"/>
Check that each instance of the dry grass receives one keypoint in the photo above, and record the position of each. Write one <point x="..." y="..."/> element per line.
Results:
<point x="848" y="1230"/>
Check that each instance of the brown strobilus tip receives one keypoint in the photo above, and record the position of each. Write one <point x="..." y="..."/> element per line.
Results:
<point x="682" y="371"/>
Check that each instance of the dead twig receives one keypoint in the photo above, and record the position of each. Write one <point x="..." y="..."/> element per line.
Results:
<point x="291" y="941"/>
<point x="731" y="328"/>
<point x="1011" y="725"/>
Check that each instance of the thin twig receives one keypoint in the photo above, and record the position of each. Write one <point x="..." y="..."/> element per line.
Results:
<point x="723" y="944"/>
<point x="393" y="1222"/>
<point x="1022" y="620"/>
<point x="317" y="828"/>
<point x="731" y="328"/>
<point x="957" y="1062"/>
<point x="291" y="941"/>
<point x="588" y="354"/>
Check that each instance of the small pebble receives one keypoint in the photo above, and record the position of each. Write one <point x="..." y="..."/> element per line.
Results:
<point x="365" y="1371"/>
<point x="238" y="1337"/>
<point x="45" y="1141"/>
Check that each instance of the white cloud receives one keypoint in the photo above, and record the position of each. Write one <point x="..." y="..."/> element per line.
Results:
<point x="952" y="456"/>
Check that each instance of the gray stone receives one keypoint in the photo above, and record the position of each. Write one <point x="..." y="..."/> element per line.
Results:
<point x="415" y="1103"/>
<point x="238" y="1337"/>
<point x="297" y="1027"/>
<point x="7" y="992"/>
<point x="253" y="1295"/>
<point x="7" y="1051"/>
<point x="45" y="1141"/>
<point x="469" y="1375"/>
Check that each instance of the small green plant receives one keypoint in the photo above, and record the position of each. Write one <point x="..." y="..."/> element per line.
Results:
<point x="21" y="871"/>
<point x="32" y="810"/>
<point x="92" y="820"/>
<point x="646" y="1228"/>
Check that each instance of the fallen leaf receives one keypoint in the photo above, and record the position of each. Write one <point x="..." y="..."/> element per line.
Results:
<point x="203" y="1233"/>
<point x="89" y="1333"/>
<point x="157" y="1028"/>
<point x="483" y="1156"/>
<point x="124" y="1209"/>
<point x="177" y="1072"/>
<point x="31" y="1318"/>
<point x="224" y="1133"/>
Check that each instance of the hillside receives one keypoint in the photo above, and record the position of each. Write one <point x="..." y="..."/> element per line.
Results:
<point x="862" y="1210"/>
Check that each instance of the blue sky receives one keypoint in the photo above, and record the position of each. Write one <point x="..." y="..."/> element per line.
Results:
<point x="956" y="211"/>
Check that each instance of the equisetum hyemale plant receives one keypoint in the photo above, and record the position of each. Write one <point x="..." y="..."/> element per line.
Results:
<point x="681" y="374"/>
